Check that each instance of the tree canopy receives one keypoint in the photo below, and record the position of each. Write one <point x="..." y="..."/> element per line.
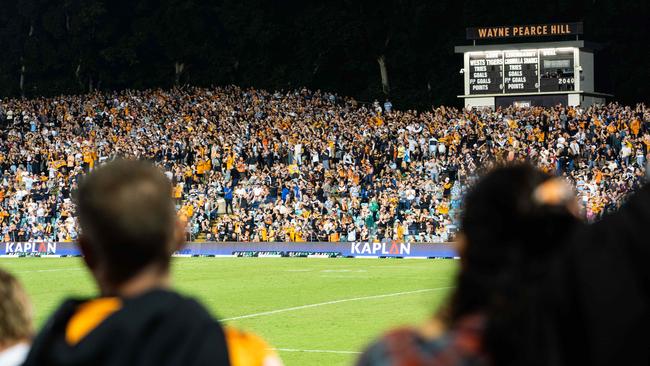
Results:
<point x="75" y="46"/>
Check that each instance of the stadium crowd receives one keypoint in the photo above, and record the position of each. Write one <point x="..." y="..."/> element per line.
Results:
<point x="251" y="165"/>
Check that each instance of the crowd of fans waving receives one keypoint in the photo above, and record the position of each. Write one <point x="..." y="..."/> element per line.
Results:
<point x="251" y="165"/>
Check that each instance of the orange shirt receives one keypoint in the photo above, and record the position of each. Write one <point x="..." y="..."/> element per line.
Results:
<point x="598" y="177"/>
<point x="178" y="191"/>
<point x="247" y="349"/>
<point x="635" y="126"/>
<point x="230" y="162"/>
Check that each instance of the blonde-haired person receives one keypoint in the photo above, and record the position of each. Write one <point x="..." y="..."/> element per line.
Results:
<point x="15" y="321"/>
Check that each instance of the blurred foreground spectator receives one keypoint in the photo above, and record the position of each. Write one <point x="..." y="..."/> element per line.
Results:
<point x="129" y="231"/>
<point x="536" y="286"/>
<point x="15" y="321"/>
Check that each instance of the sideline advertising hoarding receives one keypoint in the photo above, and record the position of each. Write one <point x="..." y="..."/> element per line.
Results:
<point x="388" y="249"/>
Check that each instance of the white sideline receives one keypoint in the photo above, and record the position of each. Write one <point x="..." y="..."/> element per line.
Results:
<point x="313" y="350"/>
<point x="51" y="270"/>
<point x="334" y="302"/>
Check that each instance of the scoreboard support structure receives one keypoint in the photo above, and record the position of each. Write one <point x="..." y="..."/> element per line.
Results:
<point x="529" y="74"/>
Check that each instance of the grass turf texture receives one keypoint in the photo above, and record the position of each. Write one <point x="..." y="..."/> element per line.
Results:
<point x="236" y="287"/>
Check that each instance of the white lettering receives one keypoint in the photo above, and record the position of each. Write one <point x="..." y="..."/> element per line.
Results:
<point x="405" y="248"/>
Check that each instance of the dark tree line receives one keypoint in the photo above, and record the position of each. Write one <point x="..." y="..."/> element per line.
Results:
<point x="368" y="49"/>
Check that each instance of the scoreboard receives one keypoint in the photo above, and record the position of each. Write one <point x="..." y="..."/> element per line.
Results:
<point x="529" y="71"/>
<point x="522" y="71"/>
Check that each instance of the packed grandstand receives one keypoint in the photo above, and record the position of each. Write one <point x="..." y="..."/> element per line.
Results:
<point x="252" y="165"/>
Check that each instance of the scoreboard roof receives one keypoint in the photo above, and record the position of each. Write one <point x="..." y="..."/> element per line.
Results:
<point x="531" y="45"/>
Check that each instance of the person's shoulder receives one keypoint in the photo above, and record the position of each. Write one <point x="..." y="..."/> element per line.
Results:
<point x="14" y="355"/>
<point x="427" y="345"/>
<point x="248" y="349"/>
<point x="393" y="348"/>
<point x="168" y="304"/>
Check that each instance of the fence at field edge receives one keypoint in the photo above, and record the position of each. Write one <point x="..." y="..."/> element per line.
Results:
<point x="350" y="249"/>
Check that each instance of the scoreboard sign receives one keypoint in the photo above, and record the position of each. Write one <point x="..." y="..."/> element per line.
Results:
<point x="517" y="31"/>
<point x="521" y="71"/>
<point x="486" y="73"/>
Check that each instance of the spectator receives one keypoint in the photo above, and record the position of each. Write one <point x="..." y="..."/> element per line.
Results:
<point x="15" y="321"/>
<point x="536" y="286"/>
<point x="130" y="230"/>
<point x="511" y="225"/>
<point x="208" y="139"/>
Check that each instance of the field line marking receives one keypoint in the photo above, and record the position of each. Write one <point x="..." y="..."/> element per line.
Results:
<point x="313" y="350"/>
<point x="271" y="312"/>
<point x="50" y="270"/>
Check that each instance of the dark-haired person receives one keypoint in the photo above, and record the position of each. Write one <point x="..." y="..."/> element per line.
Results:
<point x="510" y="225"/>
<point x="537" y="287"/>
<point x="603" y="283"/>
<point x="15" y="321"/>
<point x="129" y="231"/>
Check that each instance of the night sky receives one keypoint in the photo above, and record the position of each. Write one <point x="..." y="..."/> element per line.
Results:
<point x="74" y="46"/>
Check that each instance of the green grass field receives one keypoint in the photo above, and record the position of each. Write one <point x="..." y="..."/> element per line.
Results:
<point x="314" y="311"/>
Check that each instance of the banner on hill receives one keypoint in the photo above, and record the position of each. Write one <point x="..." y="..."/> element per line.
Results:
<point x="304" y="249"/>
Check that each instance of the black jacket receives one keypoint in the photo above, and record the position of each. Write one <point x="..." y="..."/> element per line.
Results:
<point x="155" y="329"/>
<point x="605" y="286"/>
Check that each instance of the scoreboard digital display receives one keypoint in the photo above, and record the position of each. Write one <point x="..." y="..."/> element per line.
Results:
<point x="556" y="70"/>
<point x="486" y="73"/>
<point x="521" y="71"/>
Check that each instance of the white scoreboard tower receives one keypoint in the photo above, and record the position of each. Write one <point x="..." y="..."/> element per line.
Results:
<point x="528" y="74"/>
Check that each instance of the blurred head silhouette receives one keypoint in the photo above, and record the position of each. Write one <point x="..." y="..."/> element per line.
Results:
<point x="129" y="227"/>
<point x="15" y="321"/>
<point x="514" y="224"/>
